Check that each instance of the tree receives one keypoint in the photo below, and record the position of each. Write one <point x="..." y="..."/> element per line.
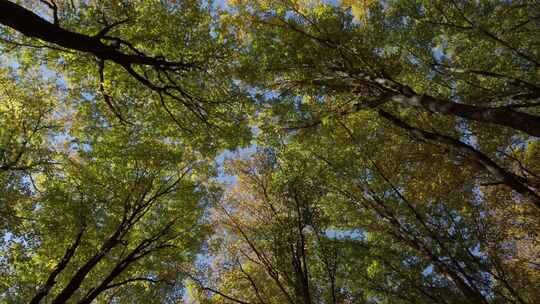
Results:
<point x="400" y="60"/>
<point x="181" y="75"/>
<point x="108" y="231"/>
<point x="344" y="55"/>
<point x="27" y="116"/>
<point x="394" y="152"/>
<point x="277" y="238"/>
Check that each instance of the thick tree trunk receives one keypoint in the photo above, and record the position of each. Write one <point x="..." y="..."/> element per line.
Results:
<point x="117" y="270"/>
<point x="32" y="25"/>
<point x="51" y="280"/>
<point x="527" y="123"/>
<point x="81" y="274"/>
<point x="404" y="95"/>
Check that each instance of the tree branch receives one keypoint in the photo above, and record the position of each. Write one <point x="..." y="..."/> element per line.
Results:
<point x="510" y="179"/>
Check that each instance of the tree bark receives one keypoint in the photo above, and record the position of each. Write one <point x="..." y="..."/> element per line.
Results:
<point x="32" y="25"/>
<point x="81" y="274"/>
<point x="51" y="280"/>
<point x="406" y="96"/>
<point x="117" y="270"/>
<point x="503" y="116"/>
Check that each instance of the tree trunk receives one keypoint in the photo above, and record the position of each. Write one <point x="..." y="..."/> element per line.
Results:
<point x="32" y="25"/>
<point x="81" y="274"/>
<point x="51" y="280"/>
<point x="527" y="123"/>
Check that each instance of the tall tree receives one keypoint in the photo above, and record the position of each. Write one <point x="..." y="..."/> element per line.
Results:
<point x="396" y="155"/>
<point x="118" y="218"/>
<point x="153" y="59"/>
<point x="278" y="237"/>
<point x="28" y="117"/>
<point x="401" y="62"/>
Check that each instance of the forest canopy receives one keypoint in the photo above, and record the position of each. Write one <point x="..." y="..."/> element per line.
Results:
<point x="270" y="151"/>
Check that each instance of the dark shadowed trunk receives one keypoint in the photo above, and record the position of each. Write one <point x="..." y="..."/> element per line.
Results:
<point x="51" y="280"/>
<point x="32" y="25"/>
<point x="503" y="116"/>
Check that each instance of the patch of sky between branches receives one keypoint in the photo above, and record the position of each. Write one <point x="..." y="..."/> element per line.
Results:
<point x="221" y="159"/>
